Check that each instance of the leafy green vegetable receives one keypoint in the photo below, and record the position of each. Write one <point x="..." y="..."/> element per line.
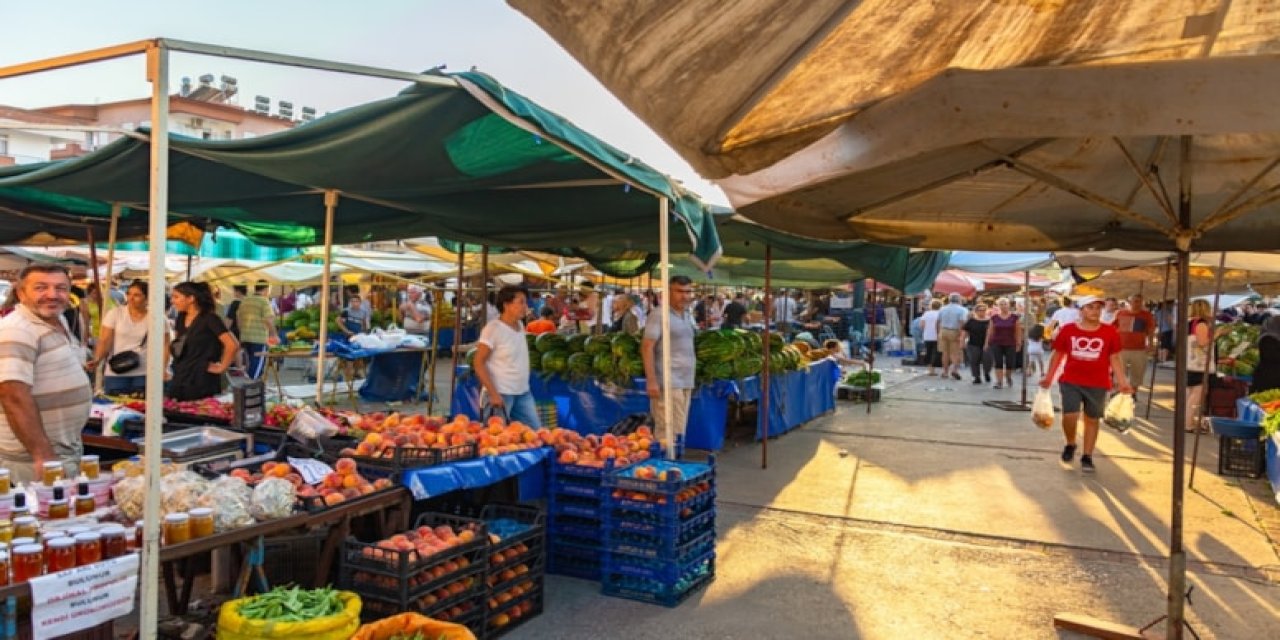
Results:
<point x="292" y="604"/>
<point x="1263" y="397"/>
<point x="862" y="378"/>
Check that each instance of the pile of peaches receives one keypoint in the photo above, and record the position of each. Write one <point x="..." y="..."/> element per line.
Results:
<point x="593" y="450"/>
<point x="344" y="483"/>
<point x="420" y="544"/>
<point x="384" y="433"/>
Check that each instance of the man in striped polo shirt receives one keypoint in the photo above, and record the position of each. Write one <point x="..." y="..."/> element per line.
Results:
<point x="45" y="392"/>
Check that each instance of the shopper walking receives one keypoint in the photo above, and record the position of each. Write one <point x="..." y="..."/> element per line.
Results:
<point x="975" y="337"/>
<point x="929" y="333"/>
<point x="502" y="359"/>
<point x="683" y="361"/>
<point x="1087" y="353"/>
<point x="1137" y="328"/>
<point x="1005" y="342"/>
<point x="124" y="329"/>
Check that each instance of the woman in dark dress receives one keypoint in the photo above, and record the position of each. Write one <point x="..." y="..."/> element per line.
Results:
<point x="203" y="349"/>
<point x="1266" y="375"/>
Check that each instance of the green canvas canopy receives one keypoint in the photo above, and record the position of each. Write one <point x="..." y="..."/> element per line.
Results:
<point x="474" y="162"/>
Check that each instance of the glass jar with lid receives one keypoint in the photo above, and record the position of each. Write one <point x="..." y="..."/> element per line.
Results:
<point x="28" y="562"/>
<point x="177" y="528"/>
<point x="88" y="548"/>
<point x="114" y="541"/>
<point x="60" y="554"/>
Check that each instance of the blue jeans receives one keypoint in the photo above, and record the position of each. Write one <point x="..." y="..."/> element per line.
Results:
<point x="118" y="385"/>
<point x="522" y="408"/>
<point x="255" y="356"/>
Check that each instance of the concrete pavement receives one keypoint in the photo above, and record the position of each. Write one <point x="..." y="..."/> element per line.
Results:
<point x="938" y="517"/>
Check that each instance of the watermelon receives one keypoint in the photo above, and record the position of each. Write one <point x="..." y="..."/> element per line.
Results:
<point x="625" y="344"/>
<point x="577" y="343"/>
<point x="555" y="362"/>
<point x="747" y="366"/>
<point x="549" y="342"/>
<point x="713" y="346"/>
<point x="603" y="365"/>
<point x="530" y="339"/>
<point x="630" y="367"/>
<point x="579" y="366"/>
<point x="719" y="370"/>
<point x="597" y="345"/>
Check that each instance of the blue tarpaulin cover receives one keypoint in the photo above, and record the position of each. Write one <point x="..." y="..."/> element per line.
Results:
<point x="431" y="482"/>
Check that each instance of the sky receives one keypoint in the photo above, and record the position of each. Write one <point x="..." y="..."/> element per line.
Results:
<point x="405" y="35"/>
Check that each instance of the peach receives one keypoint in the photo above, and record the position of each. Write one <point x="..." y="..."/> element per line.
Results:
<point x="345" y="466"/>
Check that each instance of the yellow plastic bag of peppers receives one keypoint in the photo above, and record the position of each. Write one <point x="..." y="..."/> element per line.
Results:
<point x="407" y="624"/>
<point x="340" y="626"/>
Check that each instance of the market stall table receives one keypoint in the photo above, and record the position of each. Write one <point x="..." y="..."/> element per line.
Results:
<point x="392" y="375"/>
<point x="591" y="406"/>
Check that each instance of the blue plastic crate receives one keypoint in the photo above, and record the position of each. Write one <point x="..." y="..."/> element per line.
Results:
<point x="645" y="509"/>
<point x="683" y="528"/>
<point x="654" y="592"/>
<point x="575" y="486"/>
<point x="576" y="507"/>
<point x="1229" y="428"/>
<point x="575" y="562"/>
<point x="662" y="545"/>
<point x="691" y="473"/>
<point x="669" y="570"/>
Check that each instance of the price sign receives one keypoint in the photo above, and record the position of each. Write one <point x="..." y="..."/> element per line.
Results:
<point x="311" y="470"/>
<point x="83" y="597"/>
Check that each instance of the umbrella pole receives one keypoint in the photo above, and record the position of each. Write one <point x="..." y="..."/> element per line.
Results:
<point x="188" y="267"/>
<point x="149" y="583"/>
<point x="871" y="355"/>
<point x="457" y="325"/>
<point x="763" y="418"/>
<point x="1026" y="329"/>
<point x="1204" y="388"/>
<point x="434" y="346"/>
<point x="1151" y="388"/>
<point x="330" y="204"/>
<point x="665" y="311"/>
<point x="484" y="284"/>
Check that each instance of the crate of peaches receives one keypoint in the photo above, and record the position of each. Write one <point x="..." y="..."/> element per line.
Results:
<point x="413" y="441"/>
<point x="441" y="550"/>
<point x="592" y="455"/>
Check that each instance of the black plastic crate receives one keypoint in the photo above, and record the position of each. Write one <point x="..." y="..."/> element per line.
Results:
<point x="575" y="562"/>
<point x="404" y="458"/>
<point x="514" y="524"/>
<point x="406" y="592"/>
<point x="292" y="559"/>
<point x="507" y="576"/>
<point x="1241" y="457"/>
<point x="404" y="565"/>
<point x="496" y="626"/>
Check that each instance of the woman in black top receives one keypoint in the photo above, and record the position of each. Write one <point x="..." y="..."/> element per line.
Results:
<point x="203" y="349"/>
<point x="1266" y="375"/>
<point x="976" y="330"/>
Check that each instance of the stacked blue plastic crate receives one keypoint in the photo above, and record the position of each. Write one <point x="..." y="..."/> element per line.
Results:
<point x="575" y="520"/>
<point x="660" y="532"/>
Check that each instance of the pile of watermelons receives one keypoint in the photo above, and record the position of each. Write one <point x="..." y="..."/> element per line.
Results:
<point x="725" y="354"/>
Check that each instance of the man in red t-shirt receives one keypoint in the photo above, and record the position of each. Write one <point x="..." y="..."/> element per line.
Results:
<point x="1086" y="354"/>
<point x="1137" y="327"/>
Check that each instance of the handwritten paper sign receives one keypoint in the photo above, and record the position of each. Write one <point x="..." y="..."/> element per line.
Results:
<point x="312" y="471"/>
<point x="83" y="597"/>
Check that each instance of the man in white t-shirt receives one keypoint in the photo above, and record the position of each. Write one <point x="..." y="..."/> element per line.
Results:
<point x="416" y="312"/>
<point x="502" y="359"/>
<point x="784" y="313"/>
<point x="1068" y="314"/>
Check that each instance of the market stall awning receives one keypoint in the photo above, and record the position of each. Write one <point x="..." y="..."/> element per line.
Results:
<point x="473" y="161"/>
<point x="1012" y="126"/>
<point x="999" y="261"/>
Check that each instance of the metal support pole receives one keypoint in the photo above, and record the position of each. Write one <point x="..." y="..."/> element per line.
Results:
<point x="434" y="346"/>
<point x="871" y="355"/>
<point x="484" y="285"/>
<point x="763" y="418"/>
<point x="1151" y="389"/>
<point x="330" y="205"/>
<point x="1026" y="329"/>
<point x="1204" y="387"/>
<point x="664" y="239"/>
<point x="457" y="323"/>
<point x="158" y="76"/>
<point x="1177" y="556"/>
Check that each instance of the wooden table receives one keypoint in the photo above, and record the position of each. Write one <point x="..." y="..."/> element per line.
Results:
<point x="274" y="358"/>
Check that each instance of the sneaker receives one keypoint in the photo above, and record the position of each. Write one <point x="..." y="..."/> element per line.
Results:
<point x="976" y="381"/>
<point x="1086" y="464"/>
<point x="1068" y="452"/>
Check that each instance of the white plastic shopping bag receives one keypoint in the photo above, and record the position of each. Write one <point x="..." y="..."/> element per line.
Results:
<point x="1042" y="409"/>
<point x="1119" y="412"/>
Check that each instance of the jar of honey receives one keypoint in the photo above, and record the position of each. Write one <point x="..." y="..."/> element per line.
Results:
<point x="90" y="467"/>
<point x="88" y="548"/>
<point x="201" y="522"/>
<point x="18" y="542"/>
<point x="177" y="528"/>
<point x="5" y="482"/>
<point x="85" y="503"/>
<point x="52" y="472"/>
<point x="61" y="554"/>
<point x="6" y="530"/>
<point x="4" y="568"/>
<point x="114" y="542"/>
<point x="26" y="527"/>
<point x="28" y="562"/>
<point x="59" y="509"/>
